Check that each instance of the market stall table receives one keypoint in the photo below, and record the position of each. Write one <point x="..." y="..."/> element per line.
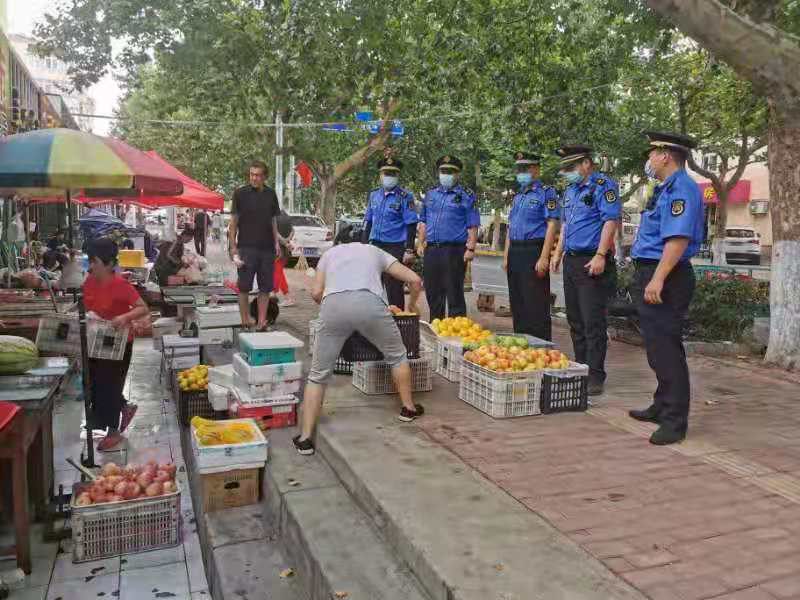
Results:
<point x="28" y="443"/>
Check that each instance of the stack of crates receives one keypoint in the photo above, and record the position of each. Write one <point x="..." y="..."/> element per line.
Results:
<point x="375" y="377"/>
<point x="266" y="377"/>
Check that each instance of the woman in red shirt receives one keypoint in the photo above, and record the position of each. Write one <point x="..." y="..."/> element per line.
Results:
<point x="110" y="297"/>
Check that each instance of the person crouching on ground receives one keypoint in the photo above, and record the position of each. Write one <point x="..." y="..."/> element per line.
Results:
<point x="348" y="286"/>
<point x="110" y="297"/>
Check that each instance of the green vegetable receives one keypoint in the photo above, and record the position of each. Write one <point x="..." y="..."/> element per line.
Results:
<point x="17" y="355"/>
<point x="522" y="342"/>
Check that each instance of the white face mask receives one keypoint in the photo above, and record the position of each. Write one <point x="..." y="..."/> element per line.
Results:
<point x="389" y="181"/>
<point x="447" y="180"/>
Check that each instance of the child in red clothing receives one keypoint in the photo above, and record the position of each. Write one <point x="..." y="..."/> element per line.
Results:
<point x="112" y="298"/>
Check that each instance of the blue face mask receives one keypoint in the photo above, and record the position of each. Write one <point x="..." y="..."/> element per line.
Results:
<point x="447" y="180"/>
<point x="572" y="177"/>
<point x="524" y="178"/>
<point x="649" y="170"/>
<point x="389" y="181"/>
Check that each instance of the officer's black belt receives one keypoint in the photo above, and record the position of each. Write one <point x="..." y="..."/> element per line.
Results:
<point x="646" y="261"/>
<point x="378" y="243"/>
<point x="588" y="253"/>
<point x="523" y="243"/>
<point x="446" y="244"/>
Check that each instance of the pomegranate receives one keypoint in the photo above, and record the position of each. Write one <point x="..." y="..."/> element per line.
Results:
<point x="111" y="469"/>
<point x="150" y="468"/>
<point x="144" y="479"/>
<point x="130" y="472"/>
<point x="170" y="487"/>
<point x="84" y="499"/>
<point x="169" y="468"/>
<point x="154" y="489"/>
<point x="121" y="488"/>
<point x="161" y="476"/>
<point x="112" y="482"/>
<point x="114" y="498"/>
<point x="97" y="492"/>
<point x="134" y="491"/>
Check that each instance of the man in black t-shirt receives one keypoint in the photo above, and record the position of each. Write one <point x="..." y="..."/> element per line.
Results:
<point x="253" y="235"/>
<point x="200" y="231"/>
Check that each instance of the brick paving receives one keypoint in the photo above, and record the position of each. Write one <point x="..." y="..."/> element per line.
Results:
<point x="715" y="517"/>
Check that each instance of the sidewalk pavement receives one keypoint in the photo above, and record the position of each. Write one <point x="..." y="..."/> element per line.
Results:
<point x="176" y="573"/>
<point x="717" y="516"/>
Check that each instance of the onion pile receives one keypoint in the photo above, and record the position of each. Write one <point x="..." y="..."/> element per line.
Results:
<point x="117" y="484"/>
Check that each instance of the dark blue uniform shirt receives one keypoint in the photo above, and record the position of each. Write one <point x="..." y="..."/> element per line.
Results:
<point x="390" y="212"/>
<point x="448" y="213"/>
<point x="585" y="209"/>
<point x="532" y="208"/>
<point x="674" y="210"/>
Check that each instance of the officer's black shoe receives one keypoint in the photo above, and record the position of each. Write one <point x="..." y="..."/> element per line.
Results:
<point x="595" y="388"/>
<point x="664" y="436"/>
<point x="407" y="416"/>
<point x="648" y="414"/>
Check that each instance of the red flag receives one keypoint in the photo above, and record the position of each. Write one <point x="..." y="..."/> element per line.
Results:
<point x="306" y="176"/>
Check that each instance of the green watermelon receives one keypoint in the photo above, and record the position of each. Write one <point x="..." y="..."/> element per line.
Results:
<point x="17" y="355"/>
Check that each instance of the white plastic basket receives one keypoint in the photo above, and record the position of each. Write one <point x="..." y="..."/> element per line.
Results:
<point x="104" y="341"/>
<point x="376" y="377"/>
<point x="59" y="334"/>
<point x="501" y="395"/>
<point x="127" y="527"/>
<point x="449" y="356"/>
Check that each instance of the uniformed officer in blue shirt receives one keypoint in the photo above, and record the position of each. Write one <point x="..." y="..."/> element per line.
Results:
<point x="532" y="226"/>
<point x="669" y="235"/>
<point x="590" y="213"/>
<point x="390" y="223"/>
<point x="449" y="231"/>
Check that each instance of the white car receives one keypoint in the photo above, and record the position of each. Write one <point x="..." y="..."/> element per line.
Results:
<point x="742" y="244"/>
<point x="310" y="237"/>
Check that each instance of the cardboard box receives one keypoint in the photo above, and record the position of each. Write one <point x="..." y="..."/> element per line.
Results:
<point x="229" y="489"/>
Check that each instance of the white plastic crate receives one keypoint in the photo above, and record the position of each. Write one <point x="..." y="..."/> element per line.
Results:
<point x="59" y="334"/>
<point x="114" y="528"/>
<point x="104" y="341"/>
<point x="501" y="395"/>
<point x="266" y="373"/>
<point x="224" y="455"/>
<point x="266" y="391"/>
<point x="449" y="356"/>
<point x="164" y="326"/>
<point x="376" y="377"/>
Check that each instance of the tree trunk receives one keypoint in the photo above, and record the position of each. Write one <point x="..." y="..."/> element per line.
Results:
<point x="718" y="247"/>
<point x="784" y="187"/>
<point x="496" y="230"/>
<point x="327" y="200"/>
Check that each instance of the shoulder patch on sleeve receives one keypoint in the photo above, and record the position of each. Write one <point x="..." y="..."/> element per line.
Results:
<point x="677" y="207"/>
<point x="601" y="181"/>
<point x="611" y="196"/>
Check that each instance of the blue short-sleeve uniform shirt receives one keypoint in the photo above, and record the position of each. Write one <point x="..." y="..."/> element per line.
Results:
<point x="390" y="212"/>
<point x="532" y="208"/>
<point x="585" y="208"/>
<point x="448" y="214"/>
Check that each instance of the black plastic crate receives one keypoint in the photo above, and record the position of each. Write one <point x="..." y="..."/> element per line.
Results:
<point x="564" y="394"/>
<point x="358" y="349"/>
<point x="343" y="367"/>
<point x="194" y="404"/>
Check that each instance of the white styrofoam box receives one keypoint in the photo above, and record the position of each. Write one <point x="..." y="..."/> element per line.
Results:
<point x="269" y="340"/>
<point x="164" y="326"/>
<point x="215" y="336"/>
<point x="221" y="376"/>
<point x="185" y="362"/>
<point x="178" y="342"/>
<point x="225" y="315"/>
<point x="240" y="398"/>
<point x="218" y="396"/>
<point x="230" y="454"/>
<point x="266" y="390"/>
<point x="266" y="373"/>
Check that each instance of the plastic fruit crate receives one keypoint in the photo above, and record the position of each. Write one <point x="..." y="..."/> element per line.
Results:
<point x="358" y="349"/>
<point x="271" y="348"/>
<point x="373" y="378"/>
<point x="221" y="456"/>
<point x="342" y="366"/>
<point x="193" y="404"/>
<point x="130" y="526"/>
<point x="449" y="356"/>
<point x="501" y="395"/>
<point x="565" y="390"/>
<point x="230" y="488"/>
<point x="104" y="341"/>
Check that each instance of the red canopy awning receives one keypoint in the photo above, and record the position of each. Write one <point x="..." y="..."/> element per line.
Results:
<point x="195" y="194"/>
<point x="739" y="194"/>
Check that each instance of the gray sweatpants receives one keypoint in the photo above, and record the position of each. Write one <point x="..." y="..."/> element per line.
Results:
<point x="341" y="315"/>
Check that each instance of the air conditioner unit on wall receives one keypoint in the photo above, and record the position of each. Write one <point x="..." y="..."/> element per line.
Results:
<point x="759" y="207"/>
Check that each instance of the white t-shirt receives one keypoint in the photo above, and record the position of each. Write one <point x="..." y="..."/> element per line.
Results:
<point x="351" y="267"/>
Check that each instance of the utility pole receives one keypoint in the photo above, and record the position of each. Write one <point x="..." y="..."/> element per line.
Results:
<point x="279" y="158"/>
<point x="291" y="176"/>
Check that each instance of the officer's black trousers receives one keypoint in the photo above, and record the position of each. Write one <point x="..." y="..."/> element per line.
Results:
<point x="443" y="274"/>
<point x="395" y="293"/>
<point x="662" y="328"/>
<point x="529" y="294"/>
<point x="586" y="298"/>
